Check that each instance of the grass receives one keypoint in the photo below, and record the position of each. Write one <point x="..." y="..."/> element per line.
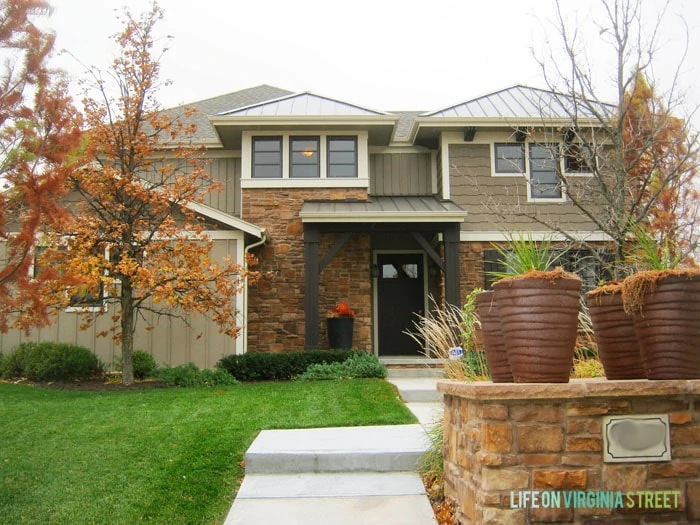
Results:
<point x="160" y="456"/>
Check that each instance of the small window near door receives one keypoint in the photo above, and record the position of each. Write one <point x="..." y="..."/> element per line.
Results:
<point x="403" y="271"/>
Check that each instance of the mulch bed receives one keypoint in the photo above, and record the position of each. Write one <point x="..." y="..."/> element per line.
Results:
<point x="108" y="384"/>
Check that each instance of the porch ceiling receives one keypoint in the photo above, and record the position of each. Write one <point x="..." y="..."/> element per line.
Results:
<point x="383" y="210"/>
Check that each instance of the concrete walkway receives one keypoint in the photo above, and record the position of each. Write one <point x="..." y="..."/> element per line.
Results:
<point x="340" y="476"/>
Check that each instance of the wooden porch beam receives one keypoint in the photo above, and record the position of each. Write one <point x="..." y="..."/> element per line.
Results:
<point x="435" y="256"/>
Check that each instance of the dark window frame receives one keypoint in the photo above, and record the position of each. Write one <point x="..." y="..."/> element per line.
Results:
<point x="300" y="138"/>
<point x="575" y="158"/>
<point x="255" y="162"/>
<point x="329" y="157"/>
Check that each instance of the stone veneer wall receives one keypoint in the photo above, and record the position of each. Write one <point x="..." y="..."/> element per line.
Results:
<point x="276" y="305"/>
<point x="516" y="437"/>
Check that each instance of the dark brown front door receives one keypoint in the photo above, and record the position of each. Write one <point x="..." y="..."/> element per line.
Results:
<point x="400" y="296"/>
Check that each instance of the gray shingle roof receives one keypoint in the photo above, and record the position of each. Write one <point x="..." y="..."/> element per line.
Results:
<point x="403" y="127"/>
<point x="226" y="102"/>
<point x="520" y="102"/>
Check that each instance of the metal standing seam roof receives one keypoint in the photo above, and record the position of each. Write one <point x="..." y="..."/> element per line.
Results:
<point x="522" y="102"/>
<point x="383" y="209"/>
<point x="302" y="104"/>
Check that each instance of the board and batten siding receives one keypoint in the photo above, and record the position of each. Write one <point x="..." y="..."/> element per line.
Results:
<point x="171" y="341"/>
<point x="225" y="170"/>
<point x="498" y="203"/>
<point x="400" y="174"/>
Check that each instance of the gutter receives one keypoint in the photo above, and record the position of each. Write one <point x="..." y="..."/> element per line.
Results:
<point x="264" y="237"/>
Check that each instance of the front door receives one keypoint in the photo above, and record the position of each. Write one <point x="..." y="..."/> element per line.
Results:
<point x="400" y="296"/>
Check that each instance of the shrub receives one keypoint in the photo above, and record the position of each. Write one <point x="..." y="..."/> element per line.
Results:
<point x="358" y="365"/>
<point x="190" y="375"/>
<point x="324" y="371"/>
<point x="364" y="364"/>
<point x="144" y="364"/>
<point x="60" y="361"/>
<point x="14" y="363"/>
<point x="285" y="366"/>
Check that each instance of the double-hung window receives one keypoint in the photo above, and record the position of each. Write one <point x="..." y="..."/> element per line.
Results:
<point x="267" y="158"/>
<point x="304" y="158"/>
<point x="342" y="157"/>
<point x="545" y="182"/>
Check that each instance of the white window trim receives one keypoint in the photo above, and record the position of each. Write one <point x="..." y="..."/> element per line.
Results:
<point x="526" y="173"/>
<point x="323" y="181"/>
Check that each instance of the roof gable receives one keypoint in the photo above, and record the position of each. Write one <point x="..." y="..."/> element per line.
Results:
<point x="522" y="102"/>
<point x="301" y="104"/>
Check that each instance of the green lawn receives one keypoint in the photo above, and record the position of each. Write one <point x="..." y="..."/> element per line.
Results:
<point x="164" y="456"/>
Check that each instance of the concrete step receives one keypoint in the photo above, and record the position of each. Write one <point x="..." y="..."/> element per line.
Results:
<point x="424" y="371"/>
<point x="417" y="389"/>
<point x="355" y="449"/>
<point x="356" y="498"/>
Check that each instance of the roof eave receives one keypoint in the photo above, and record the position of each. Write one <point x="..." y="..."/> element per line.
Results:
<point x="395" y="217"/>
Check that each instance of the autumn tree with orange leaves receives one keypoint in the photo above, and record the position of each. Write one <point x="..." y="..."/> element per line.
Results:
<point x="640" y="154"/>
<point x="39" y="128"/>
<point x="134" y="243"/>
<point x="662" y="167"/>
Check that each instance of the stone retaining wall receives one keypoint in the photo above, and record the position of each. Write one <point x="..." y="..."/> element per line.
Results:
<point x="512" y="449"/>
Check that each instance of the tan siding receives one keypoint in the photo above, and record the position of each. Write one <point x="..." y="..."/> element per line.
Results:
<point x="400" y="174"/>
<point x="170" y="341"/>
<point x="498" y="203"/>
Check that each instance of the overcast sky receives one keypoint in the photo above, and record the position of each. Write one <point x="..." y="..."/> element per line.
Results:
<point x="382" y="54"/>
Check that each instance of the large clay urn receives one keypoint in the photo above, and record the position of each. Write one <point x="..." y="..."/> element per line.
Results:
<point x="539" y="319"/>
<point x="615" y="334"/>
<point x="492" y="336"/>
<point x="667" y="320"/>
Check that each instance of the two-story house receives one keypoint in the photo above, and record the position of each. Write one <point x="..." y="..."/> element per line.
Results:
<point x="378" y="209"/>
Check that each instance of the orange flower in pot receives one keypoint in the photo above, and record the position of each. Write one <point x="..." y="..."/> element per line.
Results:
<point x="340" y="324"/>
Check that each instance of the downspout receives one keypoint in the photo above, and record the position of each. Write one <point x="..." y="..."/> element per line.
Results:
<point x="263" y="239"/>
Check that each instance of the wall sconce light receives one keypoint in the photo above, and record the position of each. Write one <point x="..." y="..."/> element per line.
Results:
<point x="469" y="134"/>
<point x="374" y="271"/>
<point x="520" y="134"/>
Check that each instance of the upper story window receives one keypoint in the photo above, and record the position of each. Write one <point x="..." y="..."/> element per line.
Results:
<point x="509" y="158"/>
<point x="304" y="157"/>
<point x="312" y="158"/>
<point x="342" y="157"/>
<point x="578" y="158"/>
<point x="267" y="158"/>
<point x="545" y="182"/>
<point x="539" y="163"/>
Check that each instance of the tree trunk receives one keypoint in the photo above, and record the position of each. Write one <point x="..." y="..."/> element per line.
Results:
<point x="127" y="328"/>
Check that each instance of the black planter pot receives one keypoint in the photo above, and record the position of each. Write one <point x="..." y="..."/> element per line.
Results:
<point x="340" y="332"/>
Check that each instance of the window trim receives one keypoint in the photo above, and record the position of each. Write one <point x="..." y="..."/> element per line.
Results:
<point x="346" y="138"/>
<point x="267" y="138"/>
<point x="526" y="173"/>
<point x="361" y="181"/>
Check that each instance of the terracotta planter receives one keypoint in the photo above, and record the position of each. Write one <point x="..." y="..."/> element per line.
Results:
<point x="616" y="336"/>
<point x="496" y="354"/>
<point x="668" y="328"/>
<point x="539" y="318"/>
